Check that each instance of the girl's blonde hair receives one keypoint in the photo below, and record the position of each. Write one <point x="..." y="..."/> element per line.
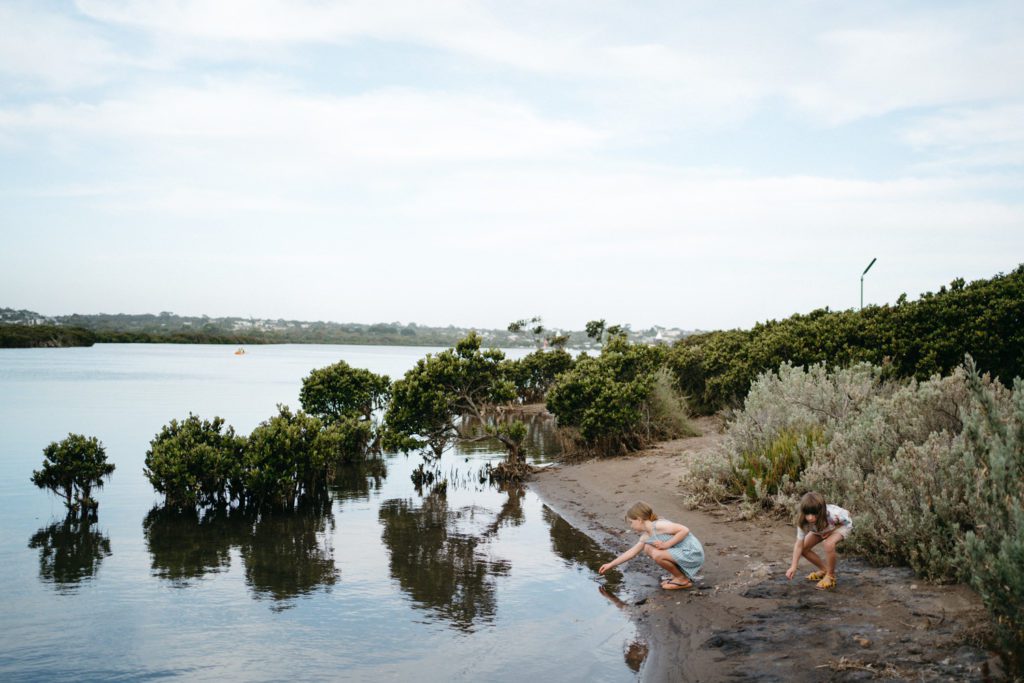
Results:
<point x="641" y="511"/>
<point x="813" y="503"/>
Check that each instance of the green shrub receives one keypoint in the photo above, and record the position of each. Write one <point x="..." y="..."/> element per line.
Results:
<point x="774" y="468"/>
<point x="196" y="462"/>
<point x="286" y="460"/>
<point x="618" y="401"/>
<point x="73" y="467"/>
<point x="993" y="445"/>
<point x="897" y="415"/>
<point x="429" y="402"/>
<point x="933" y="471"/>
<point x="911" y="339"/>
<point x="667" y="413"/>
<point x="535" y="373"/>
<point x="291" y="457"/>
<point x="911" y="509"/>
<point x="344" y="441"/>
<point x="340" y="391"/>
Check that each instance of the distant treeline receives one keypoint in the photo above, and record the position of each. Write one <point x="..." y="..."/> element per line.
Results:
<point x="168" y="328"/>
<point x="30" y="336"/>
<point x="909" y="339"/>
<point x="34" y="336"/>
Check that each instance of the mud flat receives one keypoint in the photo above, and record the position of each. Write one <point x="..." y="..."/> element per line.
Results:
<point x="745" y="621"/>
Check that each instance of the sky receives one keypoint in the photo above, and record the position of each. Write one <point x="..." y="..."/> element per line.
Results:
<point x="704" y="165"/>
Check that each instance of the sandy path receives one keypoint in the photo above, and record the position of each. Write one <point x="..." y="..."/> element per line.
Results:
<point x="745" y="621"/>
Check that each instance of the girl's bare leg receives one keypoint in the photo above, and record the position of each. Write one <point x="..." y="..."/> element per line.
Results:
<point x="811" y="540"/>
<point x="830" y="553"/>
<point x="664" y="560"/>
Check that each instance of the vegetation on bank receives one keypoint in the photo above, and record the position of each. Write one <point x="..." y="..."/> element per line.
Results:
<point x="430" y="403"/>
<point x="910" y="339"/>
<point x="618" y="401"/>
<point x="168" y="328"/>
<point x="44" y="336"/>
<point x="933" y="471"/>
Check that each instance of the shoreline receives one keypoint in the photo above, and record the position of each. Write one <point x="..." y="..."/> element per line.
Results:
<point x="744" y="620"/>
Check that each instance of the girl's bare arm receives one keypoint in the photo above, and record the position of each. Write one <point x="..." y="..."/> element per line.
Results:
<point x="678" y="531"/>
<point x="624" y="557"/>
<point x="798" y="550"/>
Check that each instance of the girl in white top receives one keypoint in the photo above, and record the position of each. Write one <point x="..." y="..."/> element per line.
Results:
<point x="824" y="524"/>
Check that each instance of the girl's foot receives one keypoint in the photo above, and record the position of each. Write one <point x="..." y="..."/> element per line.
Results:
<point x="816" y="576"/>
<point x="677" y="584"/>
<point x="827" y="583"/>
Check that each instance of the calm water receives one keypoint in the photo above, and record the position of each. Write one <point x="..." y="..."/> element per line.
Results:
<point x="382" y="583"/>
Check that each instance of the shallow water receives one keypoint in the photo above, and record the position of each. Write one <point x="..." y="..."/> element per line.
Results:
<point x="380" y="582"/>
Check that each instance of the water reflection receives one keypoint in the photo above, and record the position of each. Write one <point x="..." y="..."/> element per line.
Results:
<point x="541" y="433"/>
<point x="511" y="512"/>
<point x="289" y="554"/>
<point x="439" y="556"/>
<point x="576" y="548"/>
<point x="70" y="552"/>
<point x="355" y="481"/>
<point x="185" y="545"/>
<point x="284" y="554"/>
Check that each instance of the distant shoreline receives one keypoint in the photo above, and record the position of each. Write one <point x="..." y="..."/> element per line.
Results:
<point x="169" y="328"/>
<point x="53" y="336"/>
<point x="44" y="336"/>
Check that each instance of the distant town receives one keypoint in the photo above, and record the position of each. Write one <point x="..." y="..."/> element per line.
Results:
<point x="166" y="327"/>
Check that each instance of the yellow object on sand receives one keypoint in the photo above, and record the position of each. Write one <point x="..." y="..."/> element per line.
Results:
<point x="827" y="583"/>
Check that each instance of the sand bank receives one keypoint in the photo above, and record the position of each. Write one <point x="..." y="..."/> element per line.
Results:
<point x="745" y="621"/>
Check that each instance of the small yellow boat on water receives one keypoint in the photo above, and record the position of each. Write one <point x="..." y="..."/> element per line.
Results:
<point x="240" y="351"/>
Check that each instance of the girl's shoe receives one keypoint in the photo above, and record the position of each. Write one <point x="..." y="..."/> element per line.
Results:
<point x="816" y="576"/>
<point x="677" y="585"/>
<point x="827" y="583"/>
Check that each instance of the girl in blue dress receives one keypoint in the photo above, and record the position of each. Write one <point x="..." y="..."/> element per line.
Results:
<point x="672" y="546"/>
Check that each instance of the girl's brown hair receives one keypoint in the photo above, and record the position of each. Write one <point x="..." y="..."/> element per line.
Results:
<point x="641" y="511"/>
<point x="813" y="503"/>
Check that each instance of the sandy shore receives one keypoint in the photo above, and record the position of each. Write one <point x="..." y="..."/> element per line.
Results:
<point x="745" y="621"/>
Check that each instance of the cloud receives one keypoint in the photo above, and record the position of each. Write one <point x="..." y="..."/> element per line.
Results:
<point x="835" y="64"/>
<point x="236" y="123"/>
<point x="966" y="137"/>
<point x="871" y="72"/>
<point x="41" y="48"/>
<point x="591" y="153"/>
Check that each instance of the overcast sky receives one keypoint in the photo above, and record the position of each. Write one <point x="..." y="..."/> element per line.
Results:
<point x="703" y="165"/>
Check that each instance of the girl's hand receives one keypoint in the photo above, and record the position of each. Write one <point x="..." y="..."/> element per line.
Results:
<point x="603" y="569"/>
<point x="790" y="572"/>
<point x="661" y="545"/>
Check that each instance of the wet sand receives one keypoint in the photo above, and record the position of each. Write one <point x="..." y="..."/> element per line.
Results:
<point x="745" y="621"/>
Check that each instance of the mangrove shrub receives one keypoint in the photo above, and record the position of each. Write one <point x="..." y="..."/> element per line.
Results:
<point x="427" y="404"/>
<point x="535" y="373"/>
<point x="196" y="462"/>
<point x="72" y="468"/>
<point x="620" y="400"/>
<point x="289" y="458"/>
<point x="285" y="459"/>
<point x="340" y="391"/>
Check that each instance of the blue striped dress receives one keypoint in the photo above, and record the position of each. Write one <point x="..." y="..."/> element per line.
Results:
<point x="688" y="553"/>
